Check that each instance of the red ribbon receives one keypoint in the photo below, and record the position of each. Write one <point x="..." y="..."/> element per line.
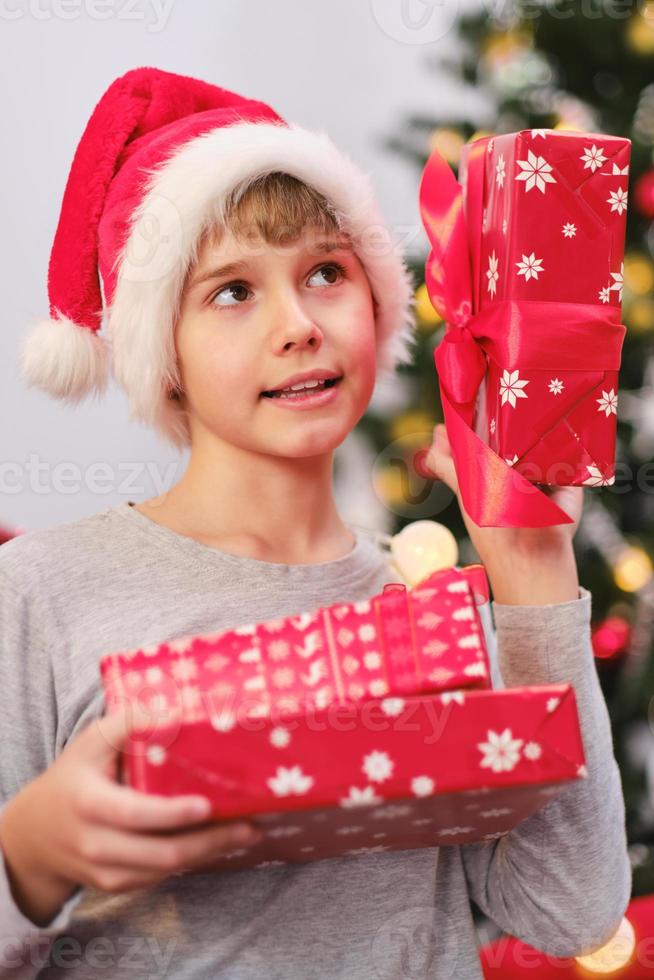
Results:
<point x="514" y="333"/>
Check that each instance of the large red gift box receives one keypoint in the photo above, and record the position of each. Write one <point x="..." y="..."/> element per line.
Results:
<point x="386" y="774"/>
<point x="551" y="228"/>
<point x="401" y="641"/>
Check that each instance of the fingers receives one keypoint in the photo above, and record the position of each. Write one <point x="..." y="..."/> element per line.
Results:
<point x="440" y="461"/>
<point x="102" y="801"/>
<point x="107" y="735"/>
<point x="106" y="847"/>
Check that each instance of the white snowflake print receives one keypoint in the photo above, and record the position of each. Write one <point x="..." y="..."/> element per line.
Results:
<point x="290" y="781"/>
<point x="378" y="687"/>
<point x="491" y="144"/>
<point x="356" y="851"/>
<point x="492" y="274"/>
<point x="280" y="737"/>
<point x="593" y="157"/>
<point x="618" y="200"/>
<point x="156" y="755"/>
<point x="511" y="387"/>
<point x="552" y="703"/>
<point x="475" y="670"/>
<point x="354" y="829"/>
<point x="500" y="171"/>
<point x="535" y="171"/>
<point x="530" y="267"/>
<point x="569" y="230"/>
<point x="372" y="660"/>
<point x="377" y="766"/>
<point x="392" y="811"/>
<point x="595" y="477"/>
<point x="608" y="403"/>
<point x="620" y="172"/>
<point x="511" y="462"/>
<point x="505" y="225"/>
<point x="270" y="864"/>
<point x="422" y="785"/>
<point x="556" y="386"/>
<point x="392" y="706"/>
<point x="448" y="696"/>
<point x="532" y="750"/>
<point x="618" y="282"/>
<point x="184" y="670"/>
<point x="451" y="831"/>
<point x="493" y="426"/>
<point x="539" y="132"/>
<point x="363" y="606"/>
<point x="605" y="294"/>
<point x="224" y="722"/>
<point x="367" y="633"/>
<point x="501" y="751"/>
<point x="498" y="811"/>
<point x="278" y="649"/>
<point x="360" y="797"/>
<point x="283" y="677"/>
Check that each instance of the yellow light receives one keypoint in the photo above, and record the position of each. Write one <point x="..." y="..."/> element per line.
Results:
<point x="612" y="955"/>
<point x="425" y="312"/>
<point x="421" y="548"/>
<point x="640" y="30"/>
<point x="633" y="569"/>
<point x="412" y="424"/>
<point x="500" y="47"/>
<point x="479" y="134"/>
<point x="448" y="142"/>
<point x="389" y="485"/>
<point x="568" y="125"/>
<point x="638" y="273"/>
<point x="639" y="314"/>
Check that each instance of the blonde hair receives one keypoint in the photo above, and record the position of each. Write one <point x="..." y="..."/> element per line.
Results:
<point x="274" y="207"/>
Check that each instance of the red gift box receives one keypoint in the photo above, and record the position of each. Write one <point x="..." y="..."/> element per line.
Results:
<point x="402" y="641"/>
<point x="380" y="775"/>
<point x="552" y="228"/>
<point x="526" y="268"/>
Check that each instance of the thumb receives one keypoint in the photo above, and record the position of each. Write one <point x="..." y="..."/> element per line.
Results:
<point x="439" y="459"/>
<point x="109" y="733"/>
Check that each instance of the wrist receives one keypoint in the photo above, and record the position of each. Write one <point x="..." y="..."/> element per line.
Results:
<point x="534" y="577"/>
<point x="37" y="891"/>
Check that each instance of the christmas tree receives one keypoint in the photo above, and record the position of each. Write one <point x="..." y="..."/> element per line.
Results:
<point x="588" y="71"/>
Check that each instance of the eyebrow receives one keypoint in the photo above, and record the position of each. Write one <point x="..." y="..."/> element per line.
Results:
<point x="241" y="266"/>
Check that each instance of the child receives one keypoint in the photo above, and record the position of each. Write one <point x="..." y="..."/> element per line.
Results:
<point x="249" y="532"/>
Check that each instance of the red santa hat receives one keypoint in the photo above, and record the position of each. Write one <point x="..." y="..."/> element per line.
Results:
<point x="159" y="152"/>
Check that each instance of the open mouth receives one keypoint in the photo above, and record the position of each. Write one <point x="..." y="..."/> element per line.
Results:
<point x="305" y="393"/>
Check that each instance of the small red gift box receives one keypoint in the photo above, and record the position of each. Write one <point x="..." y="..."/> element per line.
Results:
<point x="401" y="641"/>
<point x="550" y="210"/>
<point x="385" y="774"/>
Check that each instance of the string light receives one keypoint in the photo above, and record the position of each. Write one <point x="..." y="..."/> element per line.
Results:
<point x="421" y="548"/>
<point x="427" y="315"/>
<point x="613" y="955"/>
<point x="633" y="569"/>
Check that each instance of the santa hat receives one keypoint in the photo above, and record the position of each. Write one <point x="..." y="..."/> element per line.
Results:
<point x="159" y="152"/>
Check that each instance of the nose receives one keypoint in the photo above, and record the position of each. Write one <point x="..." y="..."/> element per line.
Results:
<point x="292" y="326"/>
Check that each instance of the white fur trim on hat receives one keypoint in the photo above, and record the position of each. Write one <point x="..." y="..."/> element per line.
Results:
<point x="193" y="183"/>
<point x="65" y="360"/>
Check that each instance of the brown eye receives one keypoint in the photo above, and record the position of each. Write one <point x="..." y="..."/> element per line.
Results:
<point x="238" y="290"/>
<point x="329" y="269"/>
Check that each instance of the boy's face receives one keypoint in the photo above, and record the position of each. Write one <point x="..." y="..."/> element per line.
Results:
<point x="286" y="310"/>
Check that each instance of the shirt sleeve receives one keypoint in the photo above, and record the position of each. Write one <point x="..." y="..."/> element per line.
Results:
<point x="28" y="719"/>
<point x="561" y="880"/>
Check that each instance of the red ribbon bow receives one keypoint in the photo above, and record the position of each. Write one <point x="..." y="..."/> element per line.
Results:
<point x="515" y="333"/>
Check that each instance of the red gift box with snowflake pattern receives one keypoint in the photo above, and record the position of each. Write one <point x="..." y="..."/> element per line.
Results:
<point x="546" y="216"/>
<point x="402" y="640"/>
<point x="385" y="774"/>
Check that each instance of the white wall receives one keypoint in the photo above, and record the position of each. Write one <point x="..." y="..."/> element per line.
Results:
<point x="354" y="67"/>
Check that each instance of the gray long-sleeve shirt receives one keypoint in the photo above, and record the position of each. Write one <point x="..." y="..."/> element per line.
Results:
<point x="560" y="880"/>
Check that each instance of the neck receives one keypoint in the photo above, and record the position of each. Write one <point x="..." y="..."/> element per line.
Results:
<point x="273" y="508"/>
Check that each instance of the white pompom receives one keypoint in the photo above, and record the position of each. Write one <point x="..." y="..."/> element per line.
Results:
<point x="65" y="360"/>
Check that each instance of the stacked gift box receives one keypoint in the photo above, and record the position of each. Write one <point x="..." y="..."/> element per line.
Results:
<point x="359" y="727"/>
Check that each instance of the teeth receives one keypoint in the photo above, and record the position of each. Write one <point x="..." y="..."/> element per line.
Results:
<point x="304" y="384"/>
